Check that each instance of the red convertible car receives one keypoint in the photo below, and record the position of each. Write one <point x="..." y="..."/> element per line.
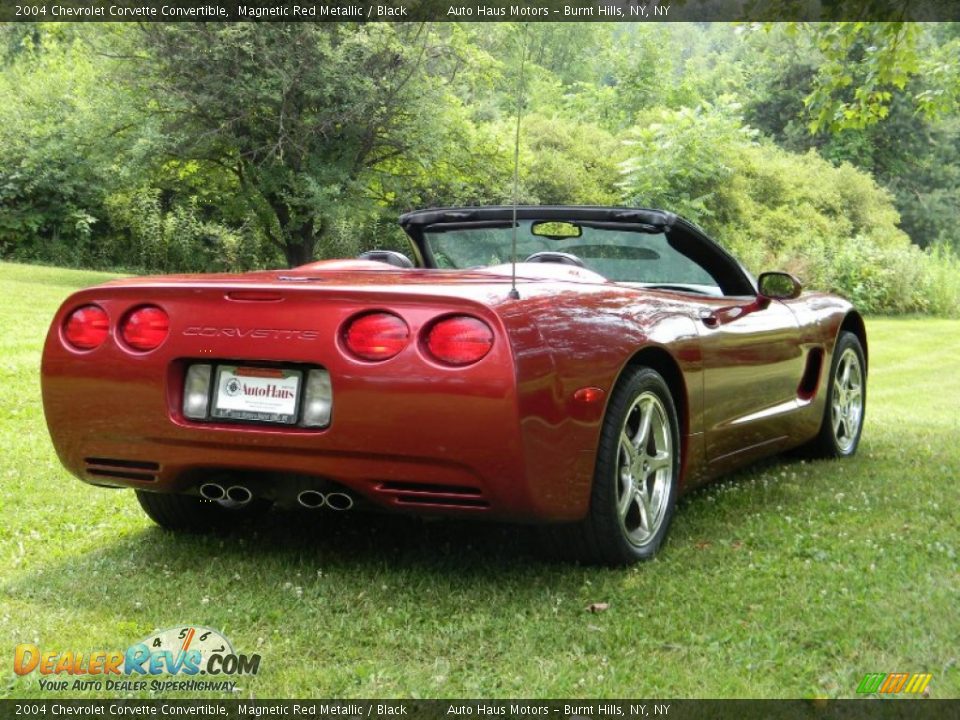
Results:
<point x="624" y="359"/>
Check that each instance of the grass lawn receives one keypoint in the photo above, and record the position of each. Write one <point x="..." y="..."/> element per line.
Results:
<point x="791" y="579"/>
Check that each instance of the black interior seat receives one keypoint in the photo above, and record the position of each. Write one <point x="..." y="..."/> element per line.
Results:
<point x="390" y="257"/>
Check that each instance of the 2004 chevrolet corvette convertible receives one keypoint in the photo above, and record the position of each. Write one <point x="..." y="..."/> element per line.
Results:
<point x="624" y="359"/>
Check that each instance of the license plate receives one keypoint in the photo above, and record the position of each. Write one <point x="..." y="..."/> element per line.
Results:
<point x="257" y="394"/>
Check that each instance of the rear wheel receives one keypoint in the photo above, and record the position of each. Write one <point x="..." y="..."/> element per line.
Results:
<point x="196" y="514"/>
<point x="635" y="483"/>
<point x="843" y="416"/>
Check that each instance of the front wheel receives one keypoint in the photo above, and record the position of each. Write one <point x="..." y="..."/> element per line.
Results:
<point x="636" y="478"/>
<point x="846" y="404"/>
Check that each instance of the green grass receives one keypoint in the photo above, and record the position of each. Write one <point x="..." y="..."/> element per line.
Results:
<point x="792" y="579"/>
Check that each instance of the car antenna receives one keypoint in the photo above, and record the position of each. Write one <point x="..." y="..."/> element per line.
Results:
<point x="514" y="293"/>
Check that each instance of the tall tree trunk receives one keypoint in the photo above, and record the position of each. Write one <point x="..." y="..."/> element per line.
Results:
<point x="299" y="245"/>
<point x="298" y="242"/>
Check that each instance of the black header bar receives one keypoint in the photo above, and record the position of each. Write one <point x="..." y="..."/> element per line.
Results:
<point x="871" y="709"/>
<point x="477" y="10"/>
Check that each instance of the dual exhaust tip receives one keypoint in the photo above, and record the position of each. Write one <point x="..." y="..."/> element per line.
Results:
<point x="237" y="494"/>
<point x="314" y="500"/>
<point x="310" y="499"/>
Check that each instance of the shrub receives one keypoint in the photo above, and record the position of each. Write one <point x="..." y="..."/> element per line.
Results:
<point x="151" y="235"/>
<point x="681" y="159"/>
<point x="833" y="226"/>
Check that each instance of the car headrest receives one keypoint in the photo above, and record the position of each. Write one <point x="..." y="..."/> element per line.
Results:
<point x="390" y="257"/>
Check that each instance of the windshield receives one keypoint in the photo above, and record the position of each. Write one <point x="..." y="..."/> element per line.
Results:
<point x="619" y="254"/>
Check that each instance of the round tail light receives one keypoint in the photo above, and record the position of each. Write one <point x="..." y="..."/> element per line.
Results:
<point x="145" y="328"/>
<point x="86" y="327"/>
<point x="376" y="336"/>
<point x="459" y="340"/>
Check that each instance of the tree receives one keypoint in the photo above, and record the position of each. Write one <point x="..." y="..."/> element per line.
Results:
<point x="911" y="152"/>
<point x="300" y="112"/>
<point x="865" y="64"/>
<point x="61" y="131"/>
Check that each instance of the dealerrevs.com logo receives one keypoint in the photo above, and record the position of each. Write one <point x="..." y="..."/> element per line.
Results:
<point x="201" y="659"/>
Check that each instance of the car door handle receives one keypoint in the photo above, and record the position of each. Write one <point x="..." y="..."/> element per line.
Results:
<point x="709" y="319"/>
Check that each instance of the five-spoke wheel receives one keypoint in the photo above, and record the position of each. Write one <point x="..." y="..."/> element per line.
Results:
<point x="846" y="400"/>
<point x="645" y="468"/>
<point x="635" y="482"/>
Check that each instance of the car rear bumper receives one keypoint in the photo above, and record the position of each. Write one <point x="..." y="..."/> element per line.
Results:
<point x="404" y="434"/>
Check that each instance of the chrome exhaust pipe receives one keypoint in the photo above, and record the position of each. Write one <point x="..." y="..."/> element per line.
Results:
<point x="311" y="499"/>
<point x="339" y="501"/>
<point x="212" y="491"/>
<point x="239" y="494"/>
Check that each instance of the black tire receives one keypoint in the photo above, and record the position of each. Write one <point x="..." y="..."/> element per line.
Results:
<point x="610" y="535"/>
<point x="195" y="514"/>
<point x="840" y="437"/>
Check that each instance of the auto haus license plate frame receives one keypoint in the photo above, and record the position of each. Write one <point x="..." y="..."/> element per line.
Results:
<point x="244" y="393"/>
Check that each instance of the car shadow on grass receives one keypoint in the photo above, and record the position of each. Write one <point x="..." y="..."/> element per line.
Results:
<point x="457" y="555"/>
<point x="402" y="541"/>
<point x="349" y="542"/>
<point x="376" y="544"/>
<point x="468" y="545"/>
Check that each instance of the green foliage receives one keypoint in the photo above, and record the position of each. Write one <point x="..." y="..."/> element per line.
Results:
<point x="831" y="225"/>
<point x="926" y="182"/>
<point x="83" y="181"/>
<point x="902" y="279"/>
<point x="460" y="163"/>
<point x="51" y="164"/>
<point x="567" y="162"/>
<point x="681" y="158"/>
<point x="864" y="64"/>
<point x="641" y="68"/>
<point x="129" y="146"/>
<point x="916" y="158"/>
<point x="794" y="199"/>
<point x="305" y="114"/>
<point x="175" y="238"/>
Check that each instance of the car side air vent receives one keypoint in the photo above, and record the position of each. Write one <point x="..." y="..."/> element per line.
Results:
<point x="413" y="493"/>
<point x="139" y="470"/>
<point x="811" y="374"/>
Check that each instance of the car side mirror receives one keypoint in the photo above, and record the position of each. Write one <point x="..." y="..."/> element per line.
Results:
<point x="779" y="286"/>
